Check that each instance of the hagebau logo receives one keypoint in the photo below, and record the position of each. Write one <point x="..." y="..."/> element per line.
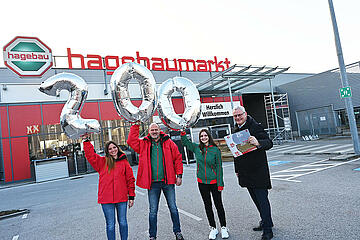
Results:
<point x="27" y="56"/>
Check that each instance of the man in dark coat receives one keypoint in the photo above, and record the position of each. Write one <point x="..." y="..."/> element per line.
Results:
<point x="252" y="168"/>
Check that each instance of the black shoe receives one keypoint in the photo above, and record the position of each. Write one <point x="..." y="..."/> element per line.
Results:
<point x="267" y="236"/>
<point x="179" y="236"/>
<point x="258" y="228"/>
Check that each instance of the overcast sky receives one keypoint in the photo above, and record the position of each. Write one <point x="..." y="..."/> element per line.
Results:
<point x="295" y="33"/>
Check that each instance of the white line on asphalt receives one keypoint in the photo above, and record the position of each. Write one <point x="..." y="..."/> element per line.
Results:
<point x="15" y="237"/>
<point x="189" y="215"/>
<point x="284" y="148"/>
<point x="314" y="164"/>
<point x="333" y="148"/>
<point x="25" y="216"/>
<point x="303" y="170"/>
<point x="287" y="180"/>
<point x="303" y="148"/>
<point x="298" y="149"/>
<point x="320" y="147"/>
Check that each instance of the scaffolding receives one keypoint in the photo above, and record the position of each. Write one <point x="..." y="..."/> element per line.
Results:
<point x="278" y="118"/>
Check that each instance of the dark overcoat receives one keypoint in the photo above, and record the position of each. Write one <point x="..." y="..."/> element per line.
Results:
<point x="252" y="168"/>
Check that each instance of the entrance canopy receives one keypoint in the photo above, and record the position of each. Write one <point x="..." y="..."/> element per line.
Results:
<point x="237" y="77"/>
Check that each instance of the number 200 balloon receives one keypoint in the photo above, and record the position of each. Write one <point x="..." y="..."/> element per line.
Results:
<point x="74" y="126"/>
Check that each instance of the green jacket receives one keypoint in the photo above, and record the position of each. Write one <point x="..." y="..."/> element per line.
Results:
<point x="209" y="164"/>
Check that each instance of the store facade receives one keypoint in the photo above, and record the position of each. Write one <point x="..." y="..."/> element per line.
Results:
<point x="30" y="129"/>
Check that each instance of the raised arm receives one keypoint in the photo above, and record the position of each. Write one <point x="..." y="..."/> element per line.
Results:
<point x="96" y="161"/>
<point x="133" y="138"/>
<point x="186" y="142"/>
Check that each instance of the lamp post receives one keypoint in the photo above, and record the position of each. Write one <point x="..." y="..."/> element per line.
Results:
<point x="345" y="83"/>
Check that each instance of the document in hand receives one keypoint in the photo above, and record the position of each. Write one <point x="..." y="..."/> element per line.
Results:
<point x="238" y="143"/>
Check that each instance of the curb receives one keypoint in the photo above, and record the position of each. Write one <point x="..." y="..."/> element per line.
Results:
<point x="19" y="212"/>
<point x="344" y="157"/>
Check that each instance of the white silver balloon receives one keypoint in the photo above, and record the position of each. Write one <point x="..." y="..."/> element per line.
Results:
<point x="191" y="100"/>
<point x="120" y="94"/>
<point x="72" y="124"/>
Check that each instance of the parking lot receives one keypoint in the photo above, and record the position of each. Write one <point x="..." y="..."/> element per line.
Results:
<point x="312" y="198"/>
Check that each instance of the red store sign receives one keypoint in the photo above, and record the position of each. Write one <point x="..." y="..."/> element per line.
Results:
<point x="111" y="63"/>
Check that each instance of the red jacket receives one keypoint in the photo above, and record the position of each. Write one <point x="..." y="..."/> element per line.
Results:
<point x="172" y="158"/>
<point x="114" y="186"/>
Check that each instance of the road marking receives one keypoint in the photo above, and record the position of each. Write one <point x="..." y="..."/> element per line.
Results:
<point x="275" y="163"/>
<point x="317" y="148"/>
<point x="288" y="174"/>
<point x="25" y="216"/>
<point x="287" y="180"/>
<point x="285" y="148"/>
<point x="333" y="148"/>
<point x="189" y="215"/>
<point x="298" y="149"/>
<point x="15" y="237"/>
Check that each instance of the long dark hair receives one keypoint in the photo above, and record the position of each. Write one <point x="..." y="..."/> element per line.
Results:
<point x="110" y="161"/>
<point x="211" y="140"/>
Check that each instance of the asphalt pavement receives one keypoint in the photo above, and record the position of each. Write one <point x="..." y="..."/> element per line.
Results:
<point x="314" y="197"/>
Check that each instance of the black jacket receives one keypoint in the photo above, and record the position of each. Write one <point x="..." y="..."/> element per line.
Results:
<point x="252" y="167"/>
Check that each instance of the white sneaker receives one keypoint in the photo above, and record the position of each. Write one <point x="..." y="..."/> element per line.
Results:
<point x="213" y="233"/>
<point x="224" y="232"/>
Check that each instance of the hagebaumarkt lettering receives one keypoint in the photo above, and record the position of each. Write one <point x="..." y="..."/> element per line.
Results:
<point x="27" y="56"/>
<point x="111" y="63"/>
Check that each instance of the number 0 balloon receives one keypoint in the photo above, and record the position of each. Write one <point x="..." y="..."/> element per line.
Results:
<point x="72" y="124"/>
<point x="191" y="100"/>
<point x="119" y="89"/>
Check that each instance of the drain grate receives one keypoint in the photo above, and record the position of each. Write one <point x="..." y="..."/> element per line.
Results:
<point x="13" y="213"/>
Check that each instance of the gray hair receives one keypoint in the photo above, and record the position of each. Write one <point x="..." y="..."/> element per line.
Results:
<point x="241" y="108"/>
<point x="154" y="124"/>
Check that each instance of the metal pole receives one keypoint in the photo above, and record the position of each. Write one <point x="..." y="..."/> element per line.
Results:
<point x="186" y="156"/>
<point x="231" y="99"/>
<point x="345" y="83"/>
<point x="274" y="106"/>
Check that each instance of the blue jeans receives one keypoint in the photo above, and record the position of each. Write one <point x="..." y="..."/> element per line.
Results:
<point x="154" y="198"/>
<point x="109" y="212"/>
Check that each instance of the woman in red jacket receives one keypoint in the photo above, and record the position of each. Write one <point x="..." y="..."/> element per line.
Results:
<point x="116" y="185"/>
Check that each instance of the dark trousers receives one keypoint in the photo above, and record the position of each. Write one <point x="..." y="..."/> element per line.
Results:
<point x="261" y="200"/>
<point x="205" y="191"/>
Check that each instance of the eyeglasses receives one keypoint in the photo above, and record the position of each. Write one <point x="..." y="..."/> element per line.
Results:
<point x="239" y="115"/>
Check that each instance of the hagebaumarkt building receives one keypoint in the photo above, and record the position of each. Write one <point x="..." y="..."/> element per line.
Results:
<point x="33" y="147"/>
